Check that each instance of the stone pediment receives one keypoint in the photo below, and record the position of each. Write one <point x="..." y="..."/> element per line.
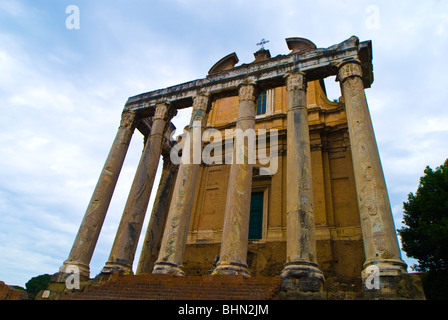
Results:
<point x="226" y="63"/>
<point x="300" y="45"/>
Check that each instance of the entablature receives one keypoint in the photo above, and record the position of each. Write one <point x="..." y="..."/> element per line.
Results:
<point x="316" y="64"/>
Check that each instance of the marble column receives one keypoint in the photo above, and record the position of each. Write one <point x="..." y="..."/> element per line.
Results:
<point x="176" y="229"/>
<point x="301" y="271"/>
<point x="89" y="231"/>
<point x="126" y="239"/>
<point x="380" y="240"/>
<point x="157" y="222"/>
<point x="233" y="254"/>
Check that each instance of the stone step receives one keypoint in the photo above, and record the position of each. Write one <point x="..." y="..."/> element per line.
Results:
<point x="165" y="287"/>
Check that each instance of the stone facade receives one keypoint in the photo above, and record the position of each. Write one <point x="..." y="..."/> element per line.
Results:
<point x="337" y="224"/>
<point x="324" y="218"/>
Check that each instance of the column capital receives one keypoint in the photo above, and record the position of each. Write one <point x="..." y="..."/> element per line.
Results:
<point x="201" y="100"/>
<point x="248" y="91"/>
<point x="295" y="80"/>
<point x="348" y="69"/>
<point x="128" y="119"/>
<point x="201" y="103"/>
<point x="164" y="111"/>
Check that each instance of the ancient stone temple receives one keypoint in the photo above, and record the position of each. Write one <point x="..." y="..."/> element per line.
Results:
<point x="299" y="198"/>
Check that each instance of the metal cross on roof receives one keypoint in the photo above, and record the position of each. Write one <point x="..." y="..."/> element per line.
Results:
<point x="262" y="43"/>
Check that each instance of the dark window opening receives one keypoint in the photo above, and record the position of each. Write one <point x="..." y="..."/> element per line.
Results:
<point x="256" y="216"/>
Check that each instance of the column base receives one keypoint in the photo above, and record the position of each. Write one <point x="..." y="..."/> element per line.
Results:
<point x="388" y="280"/>
<point x="161" y="267"/>
<point x="385" y="267"/>
<point x="302" y="280"/>
<point x="72" y="276"/>
<point x="71" y="267"/>
<point x="231" y="269"/>
<point x="116" y="267"/>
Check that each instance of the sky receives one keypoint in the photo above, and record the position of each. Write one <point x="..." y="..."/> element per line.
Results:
<point x="62" y="91"/>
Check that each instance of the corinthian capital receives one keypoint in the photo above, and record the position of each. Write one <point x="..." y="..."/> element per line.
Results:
<point x="295" y="81"/>
<point x="248" y="91"/>
<point x="163" y="111"/>
<point x="201" y="101"/>
<point x="350" y="68"/>
<point x="128" y="119"/>
<point x="199" y="113"/>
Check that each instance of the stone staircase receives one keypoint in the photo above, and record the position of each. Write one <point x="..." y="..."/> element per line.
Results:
<point x="166" y="287"/>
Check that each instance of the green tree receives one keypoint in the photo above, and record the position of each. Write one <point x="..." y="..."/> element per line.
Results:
<point x="36" y="284"/>
<point x="425" y="235"/>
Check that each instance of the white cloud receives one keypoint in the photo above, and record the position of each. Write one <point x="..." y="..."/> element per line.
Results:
<point x="12" y="7"/>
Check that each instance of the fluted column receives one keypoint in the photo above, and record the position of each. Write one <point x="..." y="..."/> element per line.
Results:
<point x="233" y="255"/>
<point x="176" y="229"/>
<point x="126" y="239"/>
<point x="380" y="240"/>
<point x="157" y="222"/>
<point x="89" y="231"/>
<point x="301" y="271"/>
